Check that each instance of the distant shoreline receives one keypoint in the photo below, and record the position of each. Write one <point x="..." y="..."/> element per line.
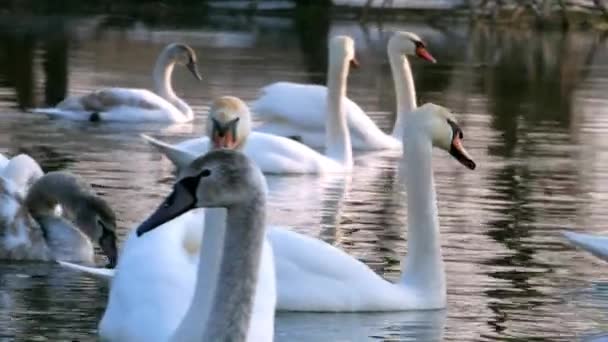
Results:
<point x="572" y="16"/>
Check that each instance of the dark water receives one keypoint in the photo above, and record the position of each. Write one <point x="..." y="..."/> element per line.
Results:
<point x="533" y="106"/>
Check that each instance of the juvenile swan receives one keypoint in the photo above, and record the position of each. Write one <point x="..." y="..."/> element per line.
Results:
<point x="293" y="109"/>
<point x="135" y="105"/>
<point x="222" y="307"/>
<point x="31" y="229"/>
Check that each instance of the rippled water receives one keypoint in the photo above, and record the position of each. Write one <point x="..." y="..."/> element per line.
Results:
<point x="533" y="106"/>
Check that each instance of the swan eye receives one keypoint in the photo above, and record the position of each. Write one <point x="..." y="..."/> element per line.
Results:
<point x="419" y="44"/>
<point x="206" y="173"/>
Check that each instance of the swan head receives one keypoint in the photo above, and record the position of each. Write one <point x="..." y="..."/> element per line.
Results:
<point x="443" y="130"/>
<point x="221" y="178"/>
<point x="98" y="221"/>
<point x="183" y="54"/>
<point x="409" y="44"/>
<point x="342" y="48"/>
<point x="229" y="123"/>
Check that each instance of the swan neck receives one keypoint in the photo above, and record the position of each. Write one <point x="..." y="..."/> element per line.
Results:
<point x="405" y="89"/>
<point x="423" y="265"/>
<point x="210" y="255"/>
<point x="163" y="72"/>
<point x="337" y="144"/>
<point x="58" y="188"/>
<point x="238" y="273"/>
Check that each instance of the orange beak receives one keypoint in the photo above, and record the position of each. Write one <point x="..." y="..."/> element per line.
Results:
<point x="224" y="135"/>
<point x="457" y="151"/>
<point x="423" y="53"/>
<point x="354" y="63"/>
<point x="225" y="141"/>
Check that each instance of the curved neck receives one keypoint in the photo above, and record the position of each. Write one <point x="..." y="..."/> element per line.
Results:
<point x="230" y="255"/>
<point x="405" y="90"/>
<point x="55" y="188"/>
<point x="423" y="266"/>
<point x="163" y="70"/>
<point x="337" y="140"/>
<point x="208" y="266"/>
<point x="238" y="274"/>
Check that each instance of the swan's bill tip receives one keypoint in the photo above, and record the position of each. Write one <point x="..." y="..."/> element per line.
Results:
<point x="423" y="53"/>
<point x="193" y="67"/>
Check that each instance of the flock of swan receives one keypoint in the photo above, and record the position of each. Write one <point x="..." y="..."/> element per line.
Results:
<point x="205" y="266"/>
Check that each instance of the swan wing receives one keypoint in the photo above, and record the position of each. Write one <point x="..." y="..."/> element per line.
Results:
<point x="298" y="105"/>
<point x="115" y="104"/>
<point x="182" y="154"/>
<point x="315" y="276"/>
<point x="298" y="111"/>
<point x="273" y="154"/>
<point x="23" y="171"/>
<point x="596" y="245"/>
<point x="93" y="272"/>
<point x="152" y="312"/>
<point x="3" y="162"/>
<point x="279" y="155"/>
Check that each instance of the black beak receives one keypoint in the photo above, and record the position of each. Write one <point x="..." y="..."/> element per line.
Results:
<point x="181" y="200"/>
<point x="193" y="67"/>
<point x="107" y="242"/>
<point x="457" y="151"/>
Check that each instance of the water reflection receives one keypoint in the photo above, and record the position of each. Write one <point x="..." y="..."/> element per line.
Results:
<point x="402" y="326"/>
<point x="530" y="103"/>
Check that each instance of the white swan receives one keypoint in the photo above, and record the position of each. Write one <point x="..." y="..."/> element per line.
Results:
<point x="135" y="105"/>
<point x="315" y="276"/>
<point x="297" y="110"/>
<point x="229" y="125"/>
<point x="3" y="161"/>
<point x="596" y="245"/>
<point x="178" y="296"/>
<point x="31" y="229"/>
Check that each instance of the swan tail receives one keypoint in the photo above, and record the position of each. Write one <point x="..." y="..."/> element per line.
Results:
<point x="93" y="272"/>
<point x="178" y="157"/>
<point x="62" y="113"/>
<point x="595" y="245"/>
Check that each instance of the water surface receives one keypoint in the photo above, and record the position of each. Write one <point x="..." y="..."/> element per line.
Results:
<point x="533" y="107"/>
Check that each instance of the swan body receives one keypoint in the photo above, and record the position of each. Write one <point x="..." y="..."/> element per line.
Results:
<point x="134" y="105"/>
<point x="175" y="304"/>
<point x="296" y="110"/>
<point x="140" y="314"/>
<point x="315" y="276"/>
<point x="31" y="227"/>
<point x="229" y="125"/>
<point x="3" y="161"/>
<point x="596" y="245"/>
<point x="273" y="154"/>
